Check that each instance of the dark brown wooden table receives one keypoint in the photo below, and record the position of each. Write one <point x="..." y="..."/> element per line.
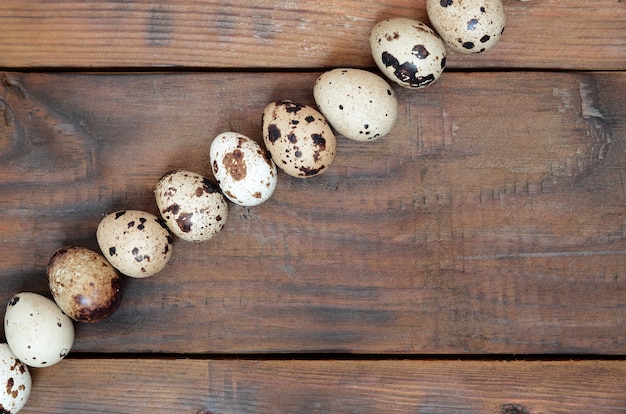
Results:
<point x="472" y="261"/>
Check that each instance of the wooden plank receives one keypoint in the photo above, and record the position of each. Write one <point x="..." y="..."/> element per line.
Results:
<point x="491" y="219"/>
<point x="577" y="34"/>
<point x="226" y="386"/>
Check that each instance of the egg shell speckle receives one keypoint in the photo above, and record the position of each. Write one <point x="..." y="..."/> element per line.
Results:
<point x="37" y="330"/>
<point x="408" y="52"/>
<point x="244" y="170"/>
<point x="135" y="242"/>
<point x="299" y="139"/>
<point x="193" y="208"/>
<point x="468" y="26"/>
<point x="15" y="382"/>
<point x="359" y="105"/>
<point x="83" y="283"/>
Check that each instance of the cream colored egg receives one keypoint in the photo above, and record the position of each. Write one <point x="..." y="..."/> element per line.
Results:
<point x="359" y="105"/>
<point x="136" y="243"/>
<point x="16" y="377"/>
<point x="193" y="208"/>
<point x="299" y="139"/>
<point x="243" y="169"/>
<point x="408" y="52"/>
<point x="468" y="26"/>
<point x="37" y="330"/>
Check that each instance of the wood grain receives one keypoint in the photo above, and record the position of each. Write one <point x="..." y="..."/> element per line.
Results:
<point x="490" y="220"/>
<point x="255" y="386"/>
<point x="490" y="223"/>
<point x="551" y="34"/>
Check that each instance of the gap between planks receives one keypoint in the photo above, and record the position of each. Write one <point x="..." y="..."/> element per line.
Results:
<point x="347" y="357"/>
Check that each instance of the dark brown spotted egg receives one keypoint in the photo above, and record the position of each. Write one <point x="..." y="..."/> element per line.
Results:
<point x="244" y="170"/>
<point x="408" y="52"/>
<point x="136" y="243"/>
<point x="193" y="207"/>
<point x="468" y="26"/>
<point x="299" y="139"/>
<point x="358" y="104"/>
<point x="17" y="379"/>
<point x="84" y="285"/>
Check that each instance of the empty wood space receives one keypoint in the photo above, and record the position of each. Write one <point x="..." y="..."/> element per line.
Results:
<point x="472" y="261"/>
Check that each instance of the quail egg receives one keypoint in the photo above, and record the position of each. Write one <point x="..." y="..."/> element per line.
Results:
<point x="17" y="380"/>
<point x="193" y="207"/>
<point x="468" y="26"/>
<point x="408" y="52"/>
<point x="244" y="170"/>
<point x="37" y="330"/>
<point x="136" y="243"/>
<point x="299" y="139"/>
<point x="83" y="283"/>
<point x="358" y="104"/>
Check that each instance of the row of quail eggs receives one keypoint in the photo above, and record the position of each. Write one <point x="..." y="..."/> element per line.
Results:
<point x="297" y="138"/>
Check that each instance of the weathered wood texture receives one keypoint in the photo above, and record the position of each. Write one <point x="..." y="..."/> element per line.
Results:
<point x="195" y="386"/>
<point x="490" y="220"/>
<point x="573" y="34"/>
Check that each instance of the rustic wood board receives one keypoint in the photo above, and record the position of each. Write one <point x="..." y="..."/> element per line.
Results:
<point x="576" y="34"/>
<point x="255" y="386"/>
<point x="490" y="220"/>
<point x="489" y="224"/>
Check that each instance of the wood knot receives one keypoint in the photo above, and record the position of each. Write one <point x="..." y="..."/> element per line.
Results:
<point x="514" y="409"/>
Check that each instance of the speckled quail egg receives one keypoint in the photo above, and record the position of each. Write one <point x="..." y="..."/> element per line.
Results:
<point x="17" y="380"/>
<point x="84" y="285"/>
<point x="408" y="52"/>
<point x="244" y="170"/>
<point x="135" y="242"/>
<point x="299" y="139"/>
<point x="467" y="26"/>
<point x="358" y="104"/>
<point x="193" y="207"/>
<point x="37" y="330"/>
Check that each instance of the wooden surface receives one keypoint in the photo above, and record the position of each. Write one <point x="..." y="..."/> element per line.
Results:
<point x="573" y="34"/>
<point x="472" y="261"/>
<point x="253" y="386"/>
